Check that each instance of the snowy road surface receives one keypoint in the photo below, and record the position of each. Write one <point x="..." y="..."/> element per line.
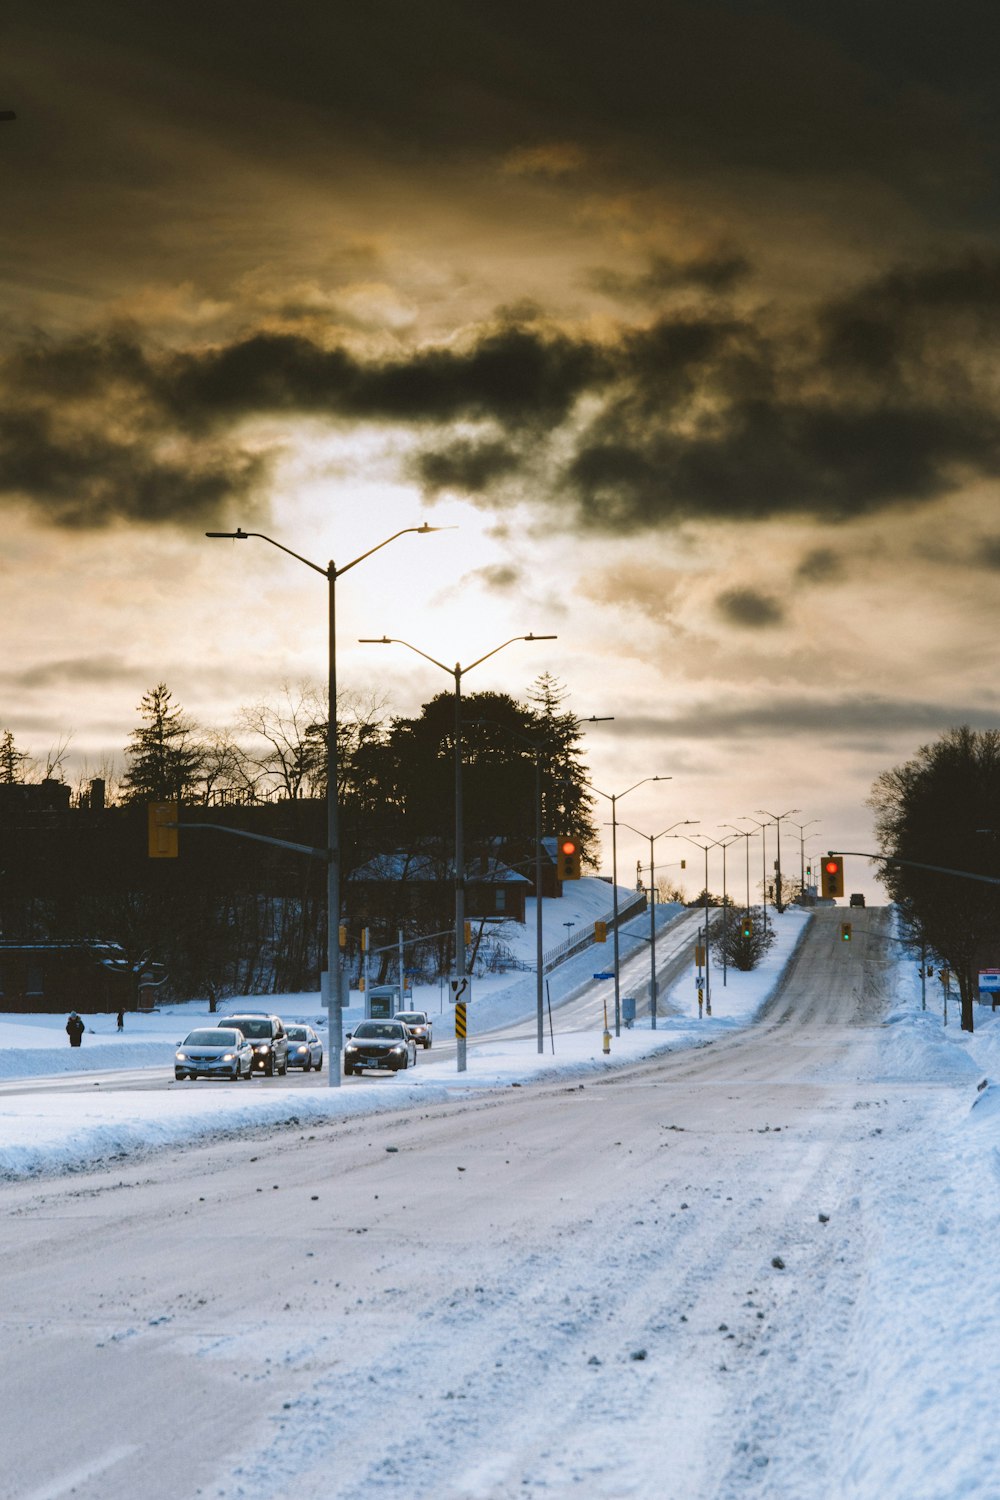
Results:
<point x="715" y="1273"/>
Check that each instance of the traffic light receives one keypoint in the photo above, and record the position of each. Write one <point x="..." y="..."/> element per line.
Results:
<point x="468" y="933"/>
<point x="833" y="875"/>
<point x="600" y="932"/>
<point x="568" y="859"/>
<point x="747" y="928"/>
<point x="161" y="837"/>
<point x="845" y="932"/>
<point x="343" y="935"/>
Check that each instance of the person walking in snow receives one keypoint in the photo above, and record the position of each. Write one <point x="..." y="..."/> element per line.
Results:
<point x="74" y="1029"/>
<point x="121" y="1020"/>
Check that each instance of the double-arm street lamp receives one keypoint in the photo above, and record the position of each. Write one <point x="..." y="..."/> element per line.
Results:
<point x="684" y="823"/>
<point x="708" y="844"/>
<point x="763" y="867"/>
<point x="457" y="672"/>
<point x="802" y="850"/>
<point x="776" y="820"/>
<point x="614" y="798"/>
<point x="334" y="971"/>
<point x="743" y="834"/>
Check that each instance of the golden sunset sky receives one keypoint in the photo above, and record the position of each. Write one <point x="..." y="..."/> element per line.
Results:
<point x="685" y="315"/>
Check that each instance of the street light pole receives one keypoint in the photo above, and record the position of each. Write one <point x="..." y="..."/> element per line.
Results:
<point x="614" y="798"/>
<point x="776" y="819"/>
<point x="457" y="673"/>
<point x="763" y="868"/>
<point x="802" y="851"/>
<point x="653" y="992"/>
<point x="334" y="971"/>
<point x="743" y="834"/>
<point x="724" y="845"/>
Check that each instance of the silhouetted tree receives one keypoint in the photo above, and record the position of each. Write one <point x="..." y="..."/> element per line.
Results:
<point x="943" y="808"/>
<point x="163" y="758"/>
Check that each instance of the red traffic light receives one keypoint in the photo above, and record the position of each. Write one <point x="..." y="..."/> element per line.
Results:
<point x="568" y="859"/>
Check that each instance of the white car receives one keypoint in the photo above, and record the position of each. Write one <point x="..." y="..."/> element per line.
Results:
<point x="418" y="1023"/>
<point x="214" y="1053"/>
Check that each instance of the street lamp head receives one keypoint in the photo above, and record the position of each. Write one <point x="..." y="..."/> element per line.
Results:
<point x="231" y="536"/>
<point x="423" y="529"/>
<point x="373" y="640"/>
<point x="539" y="637"/>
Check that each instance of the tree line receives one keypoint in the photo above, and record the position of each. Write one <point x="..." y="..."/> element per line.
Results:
<point x="235" y="916"/>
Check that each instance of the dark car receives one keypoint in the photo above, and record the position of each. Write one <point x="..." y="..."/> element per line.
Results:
<point x="857" y="898"/>
<point x="418" y="1023"/>
<point x="305" y="1050"/>
<point x="386" y="1045"/>
<point x="266" y="1035"/>
<point x="214" y="1052"/>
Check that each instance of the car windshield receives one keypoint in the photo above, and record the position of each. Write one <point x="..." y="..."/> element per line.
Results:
<point x="411" y="1017"/>
<point x="382" y="1031"/>
<point x="252" y="1028"/>
<point x="210" y="1039"/>
<point x="297" y="1034"/>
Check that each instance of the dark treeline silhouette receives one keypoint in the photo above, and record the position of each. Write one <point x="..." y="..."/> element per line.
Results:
<point x="231" y="915"/>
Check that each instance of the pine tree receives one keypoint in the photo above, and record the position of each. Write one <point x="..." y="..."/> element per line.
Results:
<point x="163" y="759"/>
<point x="13" y="761"/>
<point x="566" y="801"/>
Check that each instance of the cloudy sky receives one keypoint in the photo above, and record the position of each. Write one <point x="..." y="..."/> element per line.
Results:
<point x="684" y="315"/>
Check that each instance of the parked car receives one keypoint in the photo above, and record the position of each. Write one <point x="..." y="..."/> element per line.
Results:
<point x="857" y="898"/>
<point x="214" y="1052"/>
<point x="418" y="1023"/>
<point x="266" y="1034"/>
<point x="305" y="1050"/>
<point x="379" y="1044"/>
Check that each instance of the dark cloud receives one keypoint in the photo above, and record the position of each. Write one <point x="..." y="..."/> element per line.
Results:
<point x="462" y="465"/>
<point x="699" y="414"/>
<point x="850" y="719"/>
<point x="750" y="608"/>
<point x="499" y="578"/>
<point x="96" y="670"/>
<point x="713" y="271"/>
<point x="987" y="553"/>
<point x="820" y="565"/>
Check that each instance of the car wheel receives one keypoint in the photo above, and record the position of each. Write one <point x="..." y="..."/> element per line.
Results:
<point x="319" y="1065"/>
<point x="348" y="1072"/>
<point x="284" y="1068"/>
<point x="269" y="1067"/>
<point x="235" y="1076"/>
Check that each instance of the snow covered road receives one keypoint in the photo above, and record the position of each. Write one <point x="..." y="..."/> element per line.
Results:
<point x="713" y="1273"/>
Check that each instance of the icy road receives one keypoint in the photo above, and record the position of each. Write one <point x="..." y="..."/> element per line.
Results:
<point x="724" y="1272"/>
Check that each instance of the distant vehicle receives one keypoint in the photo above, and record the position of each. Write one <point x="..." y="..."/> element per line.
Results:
<point x="419" y="1024"/>
<point x="305" y="1050"/>
<point x="857" y="898"/>
<point x="266" y="1034"/>
<point x="379" y="1044"/>
<point x="215" y="1052"/>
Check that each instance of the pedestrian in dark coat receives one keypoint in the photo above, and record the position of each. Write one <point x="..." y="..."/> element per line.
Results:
<point x="74" y="1029"/>
<point x="121" y="1020"/>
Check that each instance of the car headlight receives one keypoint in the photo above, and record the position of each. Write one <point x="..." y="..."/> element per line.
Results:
<point x="302" y="1049"/>
<point x="399" y="1049"/>
<point x="228" y="1056"/>
<point x="182" y="1057"/>
<point x="350" y="1047"/>
<point x="263" y="1047"/>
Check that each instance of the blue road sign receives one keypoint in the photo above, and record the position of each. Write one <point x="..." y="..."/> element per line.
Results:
<point x="604" y="976"/>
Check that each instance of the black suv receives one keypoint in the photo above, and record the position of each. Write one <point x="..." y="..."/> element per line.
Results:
<point x="266" y="1035"/>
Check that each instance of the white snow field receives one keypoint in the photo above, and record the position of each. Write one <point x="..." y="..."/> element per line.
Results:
<point x="742" y="1256"/>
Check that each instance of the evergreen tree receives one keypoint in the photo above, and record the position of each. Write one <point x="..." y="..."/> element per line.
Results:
<point x="163" y="758"/>
<point x="13" y="762"/>
<point x="566" y="801"/>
